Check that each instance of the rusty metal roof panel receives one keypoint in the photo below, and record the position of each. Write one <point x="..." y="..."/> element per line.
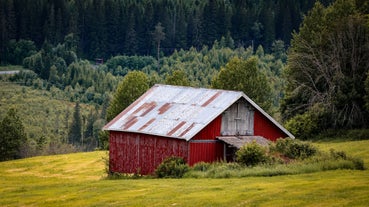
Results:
<point x="176" y="111"/>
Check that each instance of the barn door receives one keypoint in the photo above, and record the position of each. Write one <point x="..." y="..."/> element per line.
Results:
<point x="238" y="119"/>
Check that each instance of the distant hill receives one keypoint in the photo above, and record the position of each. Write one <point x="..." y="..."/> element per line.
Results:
<point x="43" y="113"/>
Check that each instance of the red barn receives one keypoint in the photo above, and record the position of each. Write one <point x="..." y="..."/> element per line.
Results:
<point x="194" y="123"/>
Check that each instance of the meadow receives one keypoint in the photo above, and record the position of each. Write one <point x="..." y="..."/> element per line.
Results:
<point x="79" y="179"/>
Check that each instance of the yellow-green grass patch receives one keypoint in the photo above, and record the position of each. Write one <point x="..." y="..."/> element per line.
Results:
<point x="79" y="180"/>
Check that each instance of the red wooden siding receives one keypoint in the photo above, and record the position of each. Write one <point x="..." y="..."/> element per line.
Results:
<point x="204" y="146"/>
<point x="140" y="153"/>
<point x="206" y="152"/>
<point x="265" y="128"/>
<point x="211" y="131"/>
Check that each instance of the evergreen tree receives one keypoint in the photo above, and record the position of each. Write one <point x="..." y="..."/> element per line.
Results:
<point x="89" y="125"/>
<point x="12" y="136"/>
<point x="131" y="37"/>
<point x="75" y="130"/>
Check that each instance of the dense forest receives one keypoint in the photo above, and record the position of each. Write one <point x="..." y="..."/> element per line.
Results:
<point x="105" y="28"/>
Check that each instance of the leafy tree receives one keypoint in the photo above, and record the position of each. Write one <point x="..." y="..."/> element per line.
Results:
<point x="178" y="78"/>
<point x="327" y="66"/>
<point x="12" y="136"/>
<point x="18" y="50"/>
<point x="244" y="75"/>
<point x="133" y="85"/>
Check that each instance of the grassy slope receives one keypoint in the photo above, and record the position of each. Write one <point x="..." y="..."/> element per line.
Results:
<point x="78" y="180"/>
<point x="41" y="114"/>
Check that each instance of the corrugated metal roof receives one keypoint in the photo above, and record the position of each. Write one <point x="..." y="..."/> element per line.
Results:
<point x="177" y="111"/>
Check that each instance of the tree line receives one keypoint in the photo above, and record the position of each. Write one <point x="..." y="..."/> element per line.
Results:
<point x="105" y="28"/>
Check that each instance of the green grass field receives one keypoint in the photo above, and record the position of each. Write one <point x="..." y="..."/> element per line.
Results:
<point x="79" y="180"/>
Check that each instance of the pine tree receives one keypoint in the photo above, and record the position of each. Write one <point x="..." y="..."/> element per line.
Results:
<point x="75" y="131"/>
<point x="12" y="136"/>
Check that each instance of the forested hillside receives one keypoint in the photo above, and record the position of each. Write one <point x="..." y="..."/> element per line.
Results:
<point x="105" y="28"/>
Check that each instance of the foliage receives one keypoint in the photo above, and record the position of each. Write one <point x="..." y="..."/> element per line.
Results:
<point x="244" y="75"/>
<point x="158" y="35"/>
<point x="103" y="139"/>
<point x="367" y="91"/>
<point x="18" y="50"/>
<point x="177" y="78"/>
<point x="46" y="116"/>
<point x="12" y="136"/>
<point x="58" y="67"/>
<point x="327" y="66"/>
<point x="201" y="166"/>
<point x="294" y="149"/>
<point x="107" y="28"/>
<point x="251" y="154"/>
<point x="133" y="85"/>
<point x="75" y="131"/>
<point x="340" y="135"/>
<point x="128" y="63"/>
<point x="172" y="167"/>
<point x="304" y="125"/>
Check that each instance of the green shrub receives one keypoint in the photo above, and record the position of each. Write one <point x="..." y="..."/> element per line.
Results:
<point x="337" y="154"/>
<point x="358" y="163"/>
<point x="201" y="166"/>
<point x="304" y="125"/>
<point x="294" y="149"/>
<point x="251" y="154"/>
<point x="172" y="167"/>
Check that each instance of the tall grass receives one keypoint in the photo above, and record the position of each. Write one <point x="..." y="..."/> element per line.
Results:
<point x="322" y="161"/>
<point x="222" y="171"/>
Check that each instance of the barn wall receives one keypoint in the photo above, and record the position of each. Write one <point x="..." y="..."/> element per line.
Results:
<point x="264" y="127"/>
<point x="211" y="131"/>
<point x="204" y="146"/>
<point x="206" y="152"/>
<point x="140" y="153"/>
